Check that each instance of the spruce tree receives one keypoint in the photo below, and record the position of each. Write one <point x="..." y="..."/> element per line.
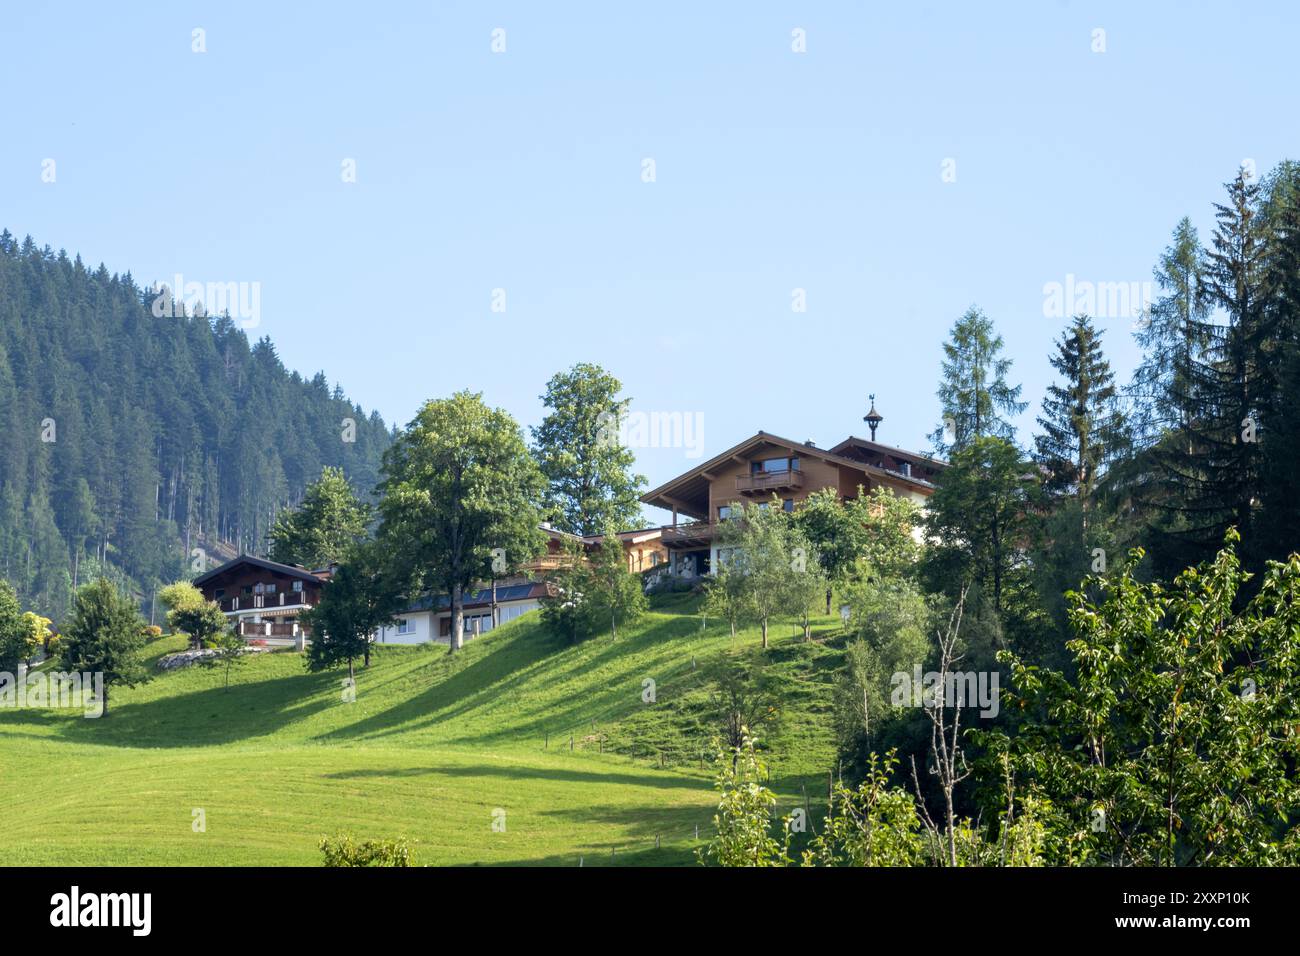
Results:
<point x="1082" y="426"/>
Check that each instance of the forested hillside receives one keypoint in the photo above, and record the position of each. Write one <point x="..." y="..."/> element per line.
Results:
<point x="127" y="441"/>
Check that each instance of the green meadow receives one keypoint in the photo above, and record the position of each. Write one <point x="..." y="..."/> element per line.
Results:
<point x="558" y="737"/>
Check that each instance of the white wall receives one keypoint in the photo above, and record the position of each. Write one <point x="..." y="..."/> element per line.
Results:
<point x="427" y="625"/>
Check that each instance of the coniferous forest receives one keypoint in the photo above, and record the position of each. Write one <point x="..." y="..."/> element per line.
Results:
<point x="133" y="447"/>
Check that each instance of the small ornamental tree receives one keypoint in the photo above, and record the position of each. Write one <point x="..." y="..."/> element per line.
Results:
<point x="744" y="822"/>
<point x="36" y="632"/>
<point x="616" y="595"/>
<point x="567" y="607"/>
<point x="189" y="613"/>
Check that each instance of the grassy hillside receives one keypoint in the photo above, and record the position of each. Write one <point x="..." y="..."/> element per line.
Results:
<point x="556" y="735"/>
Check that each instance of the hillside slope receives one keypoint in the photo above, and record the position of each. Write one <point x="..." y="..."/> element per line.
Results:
<point x="433" y="745"/>
<point x="127" y="440"/>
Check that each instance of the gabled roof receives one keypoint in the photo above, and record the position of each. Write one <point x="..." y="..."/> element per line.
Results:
<point x="853" y="441"/>
<point x="291" y="570"/>
<point x="694" y="483"/>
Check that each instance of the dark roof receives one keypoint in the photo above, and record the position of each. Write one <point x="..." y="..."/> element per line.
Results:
<point x="479" y="598"/>
<point x="292" y="570"/>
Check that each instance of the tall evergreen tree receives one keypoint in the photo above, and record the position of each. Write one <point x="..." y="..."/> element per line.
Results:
<point x="1083" y="428"/>
<point x="975" y="397"/>
<point x="1173" y="336"/>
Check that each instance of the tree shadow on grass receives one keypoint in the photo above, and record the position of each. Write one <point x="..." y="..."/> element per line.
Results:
<point x="557" y="774"/>
<point x="204" y="718"/>
<point x="496" y="674"/>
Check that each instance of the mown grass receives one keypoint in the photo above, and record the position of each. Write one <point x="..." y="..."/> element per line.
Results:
<point x="559" y="737"/>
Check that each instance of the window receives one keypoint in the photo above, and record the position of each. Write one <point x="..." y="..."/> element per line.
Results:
<point x="270" y="589"/>
<point x="770" y="465"/>
<point x="724" y="512"/>
<point x="246" y="589"/>
<point x="219" y="593"/>
<point x="404" y="626"/>
<point x="788" y="505"/>
<point x="297" y="585"/>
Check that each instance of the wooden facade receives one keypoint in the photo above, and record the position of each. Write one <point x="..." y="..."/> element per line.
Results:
<point x="767" y="466"/>
<point x="263" y="599"/>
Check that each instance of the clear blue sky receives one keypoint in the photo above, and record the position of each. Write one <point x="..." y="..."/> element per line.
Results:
<point x="523" y="170"/>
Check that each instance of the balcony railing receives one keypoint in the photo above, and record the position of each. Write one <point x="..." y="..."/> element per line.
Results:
<point x="694" y="531"/>
<point x="768" y="481"/>
<point x="251" y="630"/>
<point x="256" y="602"/>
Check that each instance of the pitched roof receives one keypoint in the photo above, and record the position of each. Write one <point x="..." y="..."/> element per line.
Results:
<point x="692" y="483"/>
<point x="292" y="570"/>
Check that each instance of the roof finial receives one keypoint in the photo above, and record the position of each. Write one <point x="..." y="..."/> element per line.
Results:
<point x="873" y="418"/>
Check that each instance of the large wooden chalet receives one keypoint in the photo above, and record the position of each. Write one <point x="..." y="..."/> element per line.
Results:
<point x="765" y="465"/>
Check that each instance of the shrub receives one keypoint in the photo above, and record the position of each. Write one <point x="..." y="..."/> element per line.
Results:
<point x="343" y="850"/>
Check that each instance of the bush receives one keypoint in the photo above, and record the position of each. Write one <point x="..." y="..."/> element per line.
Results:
<point x="152" y="632"/>
<point x="342" y="850"/>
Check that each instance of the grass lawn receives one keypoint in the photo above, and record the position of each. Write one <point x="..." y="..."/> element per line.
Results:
<point x="557" y="736"/>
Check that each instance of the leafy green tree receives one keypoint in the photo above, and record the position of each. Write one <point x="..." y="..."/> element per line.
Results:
<point x="768" y="552"/>
<point x="362" y="596"/>
<point x="330" y="519"/>
<point x="743" y="822"/>
<point x="231" y="650"/>
<point x="459" y="483"/>
<point x="615" y="594"/>
<point x="1173" y="742"/>
<point x="743" y="699"/>
<point x="889" y="618"/>
<point x="974" y="394"/>
<point x="838" y="533"/>
<point x="875" y="824"/>
<point x="567" y="608"/>
<point x="343" y="850"/>
<point x="105" y="634"/>
<point x="578" y="447"/>
<point x="13" y="632"/>
<point x="726" y="594"/>
<point x="977" y="518"/>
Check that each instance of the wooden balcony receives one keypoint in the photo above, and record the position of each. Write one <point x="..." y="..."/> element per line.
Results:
<point x="763" y="482"/>
<point x="696" y="532"/>
<point x="271" y="629"/>
<point x="547" y="562"/>
<point x="257" y="602"/>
